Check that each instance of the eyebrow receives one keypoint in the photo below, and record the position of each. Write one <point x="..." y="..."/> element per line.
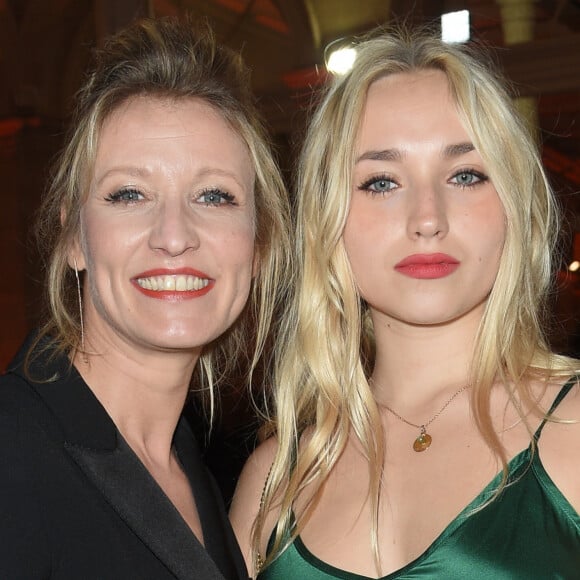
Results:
<point x="454" y="150"/>
<point x="384" y="155"/>
<point x="458" y="149"/>
<point x="135" y="171"/>
<point x="124" y="170"/>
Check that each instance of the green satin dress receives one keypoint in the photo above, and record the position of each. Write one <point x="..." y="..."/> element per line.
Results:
<point x="530" y="532"/>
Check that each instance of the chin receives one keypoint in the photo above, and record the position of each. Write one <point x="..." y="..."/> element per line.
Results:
<point x="172" y="340"/>
<point x="425" y="316"/>
<point x="443" y="318"/>
<point x="196" y="336"/>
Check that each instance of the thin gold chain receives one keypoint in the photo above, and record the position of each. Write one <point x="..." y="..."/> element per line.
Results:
<point x="425" y="425"/>
<point x="259" y="559"/>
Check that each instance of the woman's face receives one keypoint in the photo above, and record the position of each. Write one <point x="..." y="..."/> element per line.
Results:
<point x="426" y="227"/>
<point x="167" y="230"/>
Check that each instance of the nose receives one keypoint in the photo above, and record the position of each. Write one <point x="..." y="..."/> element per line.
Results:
<point x="173" y="231"/>
<point x="427" y="216"/>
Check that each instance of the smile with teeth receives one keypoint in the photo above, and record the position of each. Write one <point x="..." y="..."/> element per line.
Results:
<point x="176" y="283"/>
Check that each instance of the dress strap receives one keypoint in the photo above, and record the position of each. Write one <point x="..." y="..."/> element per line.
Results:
<point x="566" y="388"/>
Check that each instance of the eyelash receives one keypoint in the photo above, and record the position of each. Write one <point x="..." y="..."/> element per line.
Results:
<point x="117" y="197"/>
<point x="367" y="185"/>
<point x="481" y="177"/>
<point x="228" y="198"/>
<point x="120" y="197"/>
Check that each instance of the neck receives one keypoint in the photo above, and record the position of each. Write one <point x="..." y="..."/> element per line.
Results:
<point x="418" y="365"/>
<point x="143" y="391"/>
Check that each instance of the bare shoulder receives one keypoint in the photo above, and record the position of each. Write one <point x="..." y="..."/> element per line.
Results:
<point x="559" y="444"/>
<point x="253" y="477"/>
<point x="248" y="494"/>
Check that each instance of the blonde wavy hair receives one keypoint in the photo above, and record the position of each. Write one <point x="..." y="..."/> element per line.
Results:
<point x="326" y="354"/>
<point x="171" y="59"/>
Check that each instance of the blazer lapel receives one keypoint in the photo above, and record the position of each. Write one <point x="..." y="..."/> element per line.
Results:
<point x="218" y="536"/>
<point x="94" y="443"/>
<point x="145" y="509"/>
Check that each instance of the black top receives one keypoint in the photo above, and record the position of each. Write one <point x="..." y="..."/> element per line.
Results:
<point x="75" y="500"/>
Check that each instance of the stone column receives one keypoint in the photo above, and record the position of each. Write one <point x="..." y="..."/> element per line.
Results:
<point x="518" y="18"/>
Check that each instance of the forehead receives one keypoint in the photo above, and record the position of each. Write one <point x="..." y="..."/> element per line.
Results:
<point x="409" y="86"/>
<point x="410" y="106"/>
<point x="148" y="130"/>
<point x="167" y="116"/>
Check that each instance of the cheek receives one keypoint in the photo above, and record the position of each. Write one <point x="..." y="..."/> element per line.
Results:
<point x="105" y="268"/>
<point x="98" y="249"/>
<point x="239" y="244"/>
<point x="241" y="238"/>
<point x="368" y="238"/>
<point x="109" y="242"/>
<point x="358" y="255"/>
<point x="494" y="227"/>
<point x="238" y="263"/>
<point x="363" y="264"/>
<point x="483" y="228"/>
<point x="351" y="236"/>
<point x="245" y="259"/>
<point x="489" y="255"/>
<point x="495" y="214"/>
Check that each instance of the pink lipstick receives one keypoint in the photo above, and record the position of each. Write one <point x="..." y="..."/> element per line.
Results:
<point x="173" y="284"/>
<point x="427" y="266"/>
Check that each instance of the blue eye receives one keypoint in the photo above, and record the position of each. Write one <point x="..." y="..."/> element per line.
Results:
<point x="468" y="178"/>
<point x="215" y="197"/>
<point x="382" y="184"/>
<point x="125" y="196"/>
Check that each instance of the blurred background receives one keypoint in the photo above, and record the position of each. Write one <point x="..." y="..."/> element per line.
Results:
<point x="45" y="46"/>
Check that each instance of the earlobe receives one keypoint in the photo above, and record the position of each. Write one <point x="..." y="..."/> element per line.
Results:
<point x="76" y="258"/>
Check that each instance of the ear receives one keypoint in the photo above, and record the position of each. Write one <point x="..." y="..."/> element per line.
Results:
<point x="75" y="256"/>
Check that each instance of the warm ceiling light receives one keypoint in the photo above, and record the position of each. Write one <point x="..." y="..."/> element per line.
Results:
<point x="341" y="60"/>
<point x="455" y="26"/>
<point x="574" y="266"/>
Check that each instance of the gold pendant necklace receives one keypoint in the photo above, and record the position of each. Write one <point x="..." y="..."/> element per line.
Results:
<point x="424" y="440"/>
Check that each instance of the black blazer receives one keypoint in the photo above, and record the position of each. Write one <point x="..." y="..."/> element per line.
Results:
<point x="76" y="502"/>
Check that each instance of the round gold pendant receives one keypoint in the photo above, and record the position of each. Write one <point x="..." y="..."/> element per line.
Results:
<point x="422" y="442"/>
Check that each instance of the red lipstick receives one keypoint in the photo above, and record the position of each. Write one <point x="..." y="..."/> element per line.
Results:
<point x="427" y="266"/>
<point x="173" y="284"/>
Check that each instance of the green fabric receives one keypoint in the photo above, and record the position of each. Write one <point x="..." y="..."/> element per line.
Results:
<point x="529" y="532"/>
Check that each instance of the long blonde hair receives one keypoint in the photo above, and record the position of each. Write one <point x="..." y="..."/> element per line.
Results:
<point x="326" y="353"/>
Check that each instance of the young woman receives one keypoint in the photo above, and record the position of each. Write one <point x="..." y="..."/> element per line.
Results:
<point x="165" y="231"/>
<point x="422" y="427"/>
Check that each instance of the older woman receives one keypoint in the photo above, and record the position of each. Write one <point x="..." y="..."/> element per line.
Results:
<point x="423" y="427"/>
<point x="165" y="214"/>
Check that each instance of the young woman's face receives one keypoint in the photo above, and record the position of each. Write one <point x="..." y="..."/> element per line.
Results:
<point x="167" y="231"/>
<point x="426" y="227"/>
